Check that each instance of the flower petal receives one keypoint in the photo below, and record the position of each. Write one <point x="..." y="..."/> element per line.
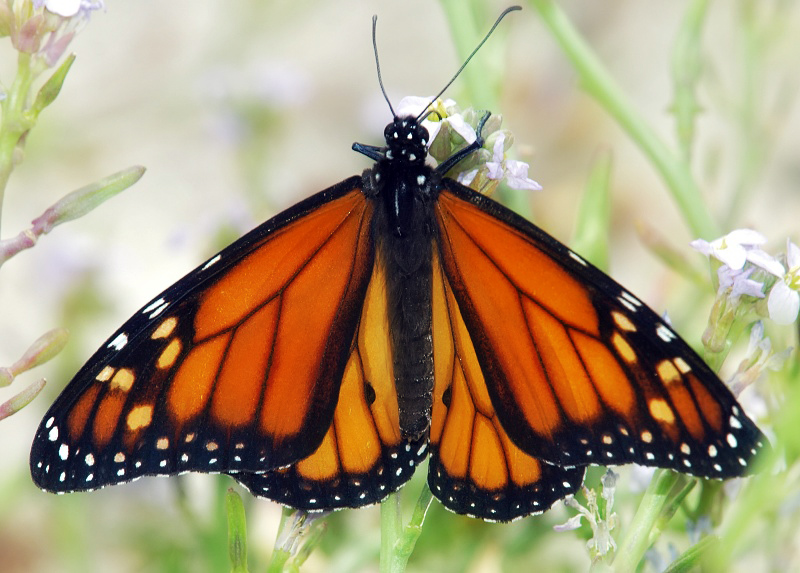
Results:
<point x="461" y="127"/>
<point x="517" y="176"/>
<point x="745" y="237"/>
<point x="792" y="255"/>
<point x="572" y="523"/>
<point x="783" y="303"/>
<point x="412" y="105"/>
<point x="65" y="8"/>
<point x="766" y="261"/>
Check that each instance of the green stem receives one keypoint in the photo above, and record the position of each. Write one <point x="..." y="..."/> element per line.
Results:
<point x="691" y="558"/>
<point x="397" y="542"/>
<point x="14" y="124"/>
<point x="391" y="528"/>
<point x="593" y="226"/>
<point x="468" y="24"/>
<point x="467" y="29"/>
<point x="639" y="533"/>
<point x="687" y="66"/>
<point x="413" y="530"/>
<point x="597" y="81"/>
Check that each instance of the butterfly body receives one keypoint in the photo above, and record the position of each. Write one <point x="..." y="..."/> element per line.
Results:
<point x="398" y="314"/>
<point x="403" y="230"/>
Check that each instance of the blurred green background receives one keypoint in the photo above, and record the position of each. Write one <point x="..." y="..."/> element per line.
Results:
<point x="240" y="108"/>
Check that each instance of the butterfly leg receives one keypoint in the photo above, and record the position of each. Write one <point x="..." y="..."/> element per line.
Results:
<point x="451" y="161"/>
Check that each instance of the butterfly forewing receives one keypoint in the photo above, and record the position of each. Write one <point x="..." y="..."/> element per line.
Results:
<point x="364" y="455"/>
<point x="579" y="370"/>
<point x="235" y="367"/>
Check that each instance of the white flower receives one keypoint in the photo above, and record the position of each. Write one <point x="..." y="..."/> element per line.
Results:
<point x="64" y="8"/>
<point x="445" y="112"/>
<point x="784" y="297"/>
<point x="450" y="129"/>
<point x="514" y="172"/>
<point x="760" y="357"/>
<point x="735" y="283"/>
<point x="602" y="523"/>
<point x="69" y="8"/>
<point x="732" y="249"/>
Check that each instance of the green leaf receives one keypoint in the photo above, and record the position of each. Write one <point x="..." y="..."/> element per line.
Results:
<point x="52" y="87"/>
<point x="237" y="532"/>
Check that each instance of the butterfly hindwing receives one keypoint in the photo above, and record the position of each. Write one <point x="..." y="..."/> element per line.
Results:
<point x="364" y="455"/>
<point x="236" y="367"/>
<point x="475" y="468"/>
<point x="579" y="370"/>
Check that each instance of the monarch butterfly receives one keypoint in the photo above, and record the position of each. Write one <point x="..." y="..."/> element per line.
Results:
<point x="395" y="315"/>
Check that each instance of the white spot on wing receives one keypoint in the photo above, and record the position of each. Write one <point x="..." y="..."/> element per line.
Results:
<point x="52" y="435"/>
<point x="578" y="258"/>
<point x="153" y="305"/>
<point x="664" y="333"/>
<point x="119" y="342"/>
<point x="212" y="261"/>
<point x="632" y="299"/>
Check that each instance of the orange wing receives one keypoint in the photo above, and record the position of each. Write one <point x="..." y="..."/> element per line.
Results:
<point x="363" y="456"/>
<point x="475" y="468"/>
<point x="576" y="369"/>
<point x="237" y="367"/>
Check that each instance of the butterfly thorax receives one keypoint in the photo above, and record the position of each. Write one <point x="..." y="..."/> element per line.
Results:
<point x="401" y="176"/>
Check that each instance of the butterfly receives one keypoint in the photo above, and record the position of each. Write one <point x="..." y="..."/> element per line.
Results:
<point x="394" y="316"/>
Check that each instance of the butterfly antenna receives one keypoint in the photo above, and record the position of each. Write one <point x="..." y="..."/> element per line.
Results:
<point x="378" y="63"/>
<point x="464" y="65"/>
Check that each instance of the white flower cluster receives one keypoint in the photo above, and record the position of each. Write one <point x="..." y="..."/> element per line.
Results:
<point x="602" y="521"/>
<point x="747" y="270"/>
<point x="450" y="128"/>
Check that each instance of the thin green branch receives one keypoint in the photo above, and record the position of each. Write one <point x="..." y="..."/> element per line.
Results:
<point x="599" y="83"/>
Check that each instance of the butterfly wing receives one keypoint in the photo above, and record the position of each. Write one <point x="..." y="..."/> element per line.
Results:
<point x="236" y="367"/>
<point x="363" y="456"/>
<point x="577" y="369"/>
<point x="475" y="467"/>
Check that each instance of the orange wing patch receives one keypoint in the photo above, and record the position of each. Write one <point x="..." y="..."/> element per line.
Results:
<point x="362" y="457"/>
<point x="234" y="368"/>
<point x="577" y="369"/>
<point x="475" y="467"/>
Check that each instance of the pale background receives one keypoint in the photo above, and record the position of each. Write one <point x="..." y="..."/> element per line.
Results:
<point x="155" y="83"/>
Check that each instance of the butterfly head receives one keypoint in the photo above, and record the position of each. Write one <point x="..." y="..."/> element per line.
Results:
<point x="406" y="140"/>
